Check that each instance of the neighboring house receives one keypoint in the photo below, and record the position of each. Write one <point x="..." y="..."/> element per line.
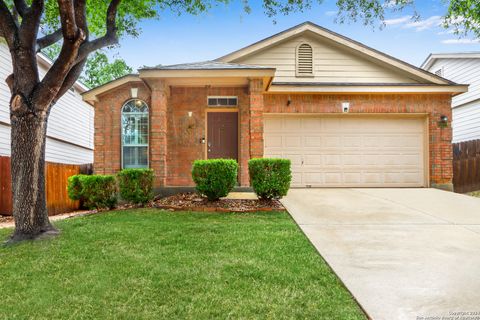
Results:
<point x="345" y="114"/>
<point x="461" y="68"/>
<point x="70" y="126"/>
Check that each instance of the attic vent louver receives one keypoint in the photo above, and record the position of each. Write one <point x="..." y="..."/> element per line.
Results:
<point x="304" y="60"/>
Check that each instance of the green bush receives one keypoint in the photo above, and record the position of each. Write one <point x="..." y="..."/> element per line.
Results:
<point x="136" y="185"/>
<point x="93" y="191"/>
<point x="215" y="178"/>
<point x="270" y="178"/>
<point x="74" y="187"/>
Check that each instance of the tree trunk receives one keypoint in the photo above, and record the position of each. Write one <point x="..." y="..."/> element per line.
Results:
<point x="28" y="176"/>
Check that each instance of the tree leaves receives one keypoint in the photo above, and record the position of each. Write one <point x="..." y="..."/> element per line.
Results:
<point x="100" y="70"/>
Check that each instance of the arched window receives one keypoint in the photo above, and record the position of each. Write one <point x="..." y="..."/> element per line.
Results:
<point x="304" y="60"/>
<point x="135" y="134"/>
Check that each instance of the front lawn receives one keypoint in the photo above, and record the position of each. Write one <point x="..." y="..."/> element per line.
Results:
<point x="152" y="264"/>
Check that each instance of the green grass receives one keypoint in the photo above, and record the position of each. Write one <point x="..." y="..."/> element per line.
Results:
<point x="152" y="264"/>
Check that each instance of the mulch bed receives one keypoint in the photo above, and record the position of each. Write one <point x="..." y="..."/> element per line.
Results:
<point x="6" y="219"/>
<point x="194" y="202"/>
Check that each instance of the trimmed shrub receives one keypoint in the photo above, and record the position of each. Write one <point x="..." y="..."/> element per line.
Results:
<point x="270" y="178"/>
<point x="215" y="178"/>
<point x="74" y="187"/>
<point x="136" y="185"/>
<point x="93" y="191"/>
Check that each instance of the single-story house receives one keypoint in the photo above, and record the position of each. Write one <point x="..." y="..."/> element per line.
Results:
<point x="345" y="114"/>
<point x="462" y="67"/>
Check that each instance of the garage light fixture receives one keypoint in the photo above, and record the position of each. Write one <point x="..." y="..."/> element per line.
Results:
<point x="443" y="123"/>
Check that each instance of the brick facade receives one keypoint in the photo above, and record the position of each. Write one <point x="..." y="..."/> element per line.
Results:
<point x="175" y="137"/>
<point x="107" y="154"/>
<point x="431" y="105"/>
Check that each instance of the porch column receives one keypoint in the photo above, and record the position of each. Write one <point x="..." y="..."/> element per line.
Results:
<point x="158" y="132"/>
<point x="256" y="118"/>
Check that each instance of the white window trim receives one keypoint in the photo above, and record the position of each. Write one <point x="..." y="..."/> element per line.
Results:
<point x="222" y="97"/>
<point x="137" y="145"/>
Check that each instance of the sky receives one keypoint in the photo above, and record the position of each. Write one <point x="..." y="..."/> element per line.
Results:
<point x="179" y="39"/>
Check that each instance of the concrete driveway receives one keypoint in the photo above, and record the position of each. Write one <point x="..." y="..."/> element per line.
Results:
<point x="403" y="253"/>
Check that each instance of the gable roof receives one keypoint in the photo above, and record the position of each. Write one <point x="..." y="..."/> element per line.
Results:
<point x="339" y="39"/>
<point x="432" y="57"/>
<point x="207" y="65"/>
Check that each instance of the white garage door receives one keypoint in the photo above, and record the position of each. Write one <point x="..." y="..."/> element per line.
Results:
<point x="349" y="151"/>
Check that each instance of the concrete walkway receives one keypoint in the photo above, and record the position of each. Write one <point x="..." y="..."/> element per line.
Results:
<point x="403" y="253"/>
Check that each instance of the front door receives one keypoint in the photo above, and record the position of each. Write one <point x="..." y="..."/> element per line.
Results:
<point x="222" y="135"/>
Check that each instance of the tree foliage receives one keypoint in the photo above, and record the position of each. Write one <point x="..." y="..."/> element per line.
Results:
<point x="99" y="70"/>
<point x="461" y="15"/>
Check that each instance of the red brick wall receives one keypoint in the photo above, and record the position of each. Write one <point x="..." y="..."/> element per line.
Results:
<point x="256" y="118"/>
<point x="184" y="132"/>
<point x="434" y="105"/>
<point x="158" y="146"/>
<point x="107" y="154"/>
<point x="175" y="137"/>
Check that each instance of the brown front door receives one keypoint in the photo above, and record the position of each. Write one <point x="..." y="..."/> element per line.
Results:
<point x="222" y="138"/>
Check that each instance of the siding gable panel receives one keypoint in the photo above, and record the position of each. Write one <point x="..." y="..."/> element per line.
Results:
<point x="332" y="64"/>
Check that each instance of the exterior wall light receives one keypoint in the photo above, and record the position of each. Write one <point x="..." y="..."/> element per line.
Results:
<point x="345" y="107"/>
<point x="190" y="113"/>
<point x="289" y="101"/>
<point x="443" y="123"/>
<point x="134" y="92"/>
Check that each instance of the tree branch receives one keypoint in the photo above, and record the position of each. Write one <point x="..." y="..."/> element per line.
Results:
<point x="73" y="37"/>
<point x="70" y="80"/>
<point x="110" y="38"/>
<point x="22" y="7"/>
<point x="48" y="40"/>
<point x="8" y="27"/>
<point x="67" y="19"/>
<point x="30" y="25"/>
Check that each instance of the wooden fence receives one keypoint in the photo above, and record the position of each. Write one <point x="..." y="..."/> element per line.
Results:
<point x="56" y="175"/>
<point x="466" y="166"/>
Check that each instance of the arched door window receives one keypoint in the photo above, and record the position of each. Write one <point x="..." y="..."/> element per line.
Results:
<point x="135" y="134"/>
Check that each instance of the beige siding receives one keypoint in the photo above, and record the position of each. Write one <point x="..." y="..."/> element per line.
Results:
<point x="332" y="64"/>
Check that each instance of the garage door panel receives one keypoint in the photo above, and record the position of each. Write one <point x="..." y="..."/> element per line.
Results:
<point x="273" y="141"/>
<point x="292" y="124"/>
<point x="312" y="178"/>
<point x="273" y="125"/>
<point x="349" y="151"/>
<point x="293" y="141"/>
<point x="310" y="141"/>
<point x="296" y="179"/>
<point x="295" y="159"/>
